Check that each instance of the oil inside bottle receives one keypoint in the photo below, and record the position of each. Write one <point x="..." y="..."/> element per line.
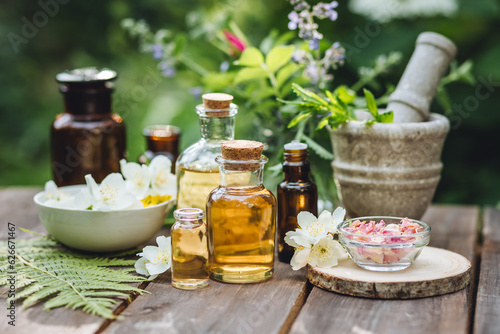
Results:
<point x="242" y="230"/>
<point x="194" y="186"/>
<point x="189" y="250"/>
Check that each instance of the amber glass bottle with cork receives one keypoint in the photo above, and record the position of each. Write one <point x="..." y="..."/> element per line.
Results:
<point x="197" y="172"/>
<point x="241" y="216"/>
<point x="87" y="138"/>
<point x="295" y="194"/>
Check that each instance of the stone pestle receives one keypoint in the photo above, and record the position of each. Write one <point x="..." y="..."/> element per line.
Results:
<point x="418" y="85"/>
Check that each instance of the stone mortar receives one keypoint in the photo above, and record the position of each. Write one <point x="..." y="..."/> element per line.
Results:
<point x="388" y="169"/>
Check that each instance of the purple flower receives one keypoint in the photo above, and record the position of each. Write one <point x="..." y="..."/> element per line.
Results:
<point x="294" y="20"/>
<point x="224" y="66"/>
<point x="312" y="73"/>
<point x="326" y="10"/>
<point x="196" y="92"/>
<point x="332" y="13"/>
<point x="314" y="43"/>
<point x="157" y="50"/>
<point x="167" y="68"/>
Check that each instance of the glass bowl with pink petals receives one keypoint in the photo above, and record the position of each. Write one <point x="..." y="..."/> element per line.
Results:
<point x="384" y="243"/>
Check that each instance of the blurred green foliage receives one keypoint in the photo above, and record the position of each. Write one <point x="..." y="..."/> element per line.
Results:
<point x="80" y="34"/>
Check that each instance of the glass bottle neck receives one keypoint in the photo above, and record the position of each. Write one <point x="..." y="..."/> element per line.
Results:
<point x="87" y="99"/>
<point x="241" y="173"/>
<point x="217" y="129"/>
<point x="296" y="166"/>
<point x="189" y="217"/>
<point x="241" y="179"/>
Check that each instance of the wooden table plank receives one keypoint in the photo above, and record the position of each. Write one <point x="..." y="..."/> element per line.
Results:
<point x="16" y="206"/>
<point x="453" y="228"/>
<point x="219" y="308"/>
<point x="487" y="313"/>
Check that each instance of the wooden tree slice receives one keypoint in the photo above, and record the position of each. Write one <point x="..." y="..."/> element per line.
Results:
<point x="435" y="272"/>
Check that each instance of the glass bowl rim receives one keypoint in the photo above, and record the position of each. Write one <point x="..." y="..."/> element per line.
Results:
<point x="425" y="232"/>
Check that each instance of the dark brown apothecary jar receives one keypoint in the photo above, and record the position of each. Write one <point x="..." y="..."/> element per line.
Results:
<point x="87" y="138"/>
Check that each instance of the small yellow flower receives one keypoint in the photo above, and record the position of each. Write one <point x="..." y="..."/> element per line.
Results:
<point x="153" y="200"/>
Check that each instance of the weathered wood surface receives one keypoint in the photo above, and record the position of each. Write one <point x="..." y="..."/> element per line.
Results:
<point x="453" y="228"/>
<point x="487" y="312"/>
<point x="16" y="206"/>
<point x="285" y="303"/>
<point x="436" y="272"/>
<point x="218" y="308"/>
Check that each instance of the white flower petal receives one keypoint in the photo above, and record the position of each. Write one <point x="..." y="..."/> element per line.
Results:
<point x="51" y="187"/>
<point x="312" y="227"/>
<point x="325" y="217"/>
<point x="337" y="217"/>
<point x="300" y="258"/>
<point x="140" y="266"/>
<point x="137" y="177"/>
<point x="288" y="238"/>
<point x="82" y="200"/>
<point x="302" y="240"/>
<point x="304" y="218"/>
<point x="162" y="180"/>
<point x="92" y="187"/>
<point x="157" y="268"/>
<point x="326" y="253"/>
<point x="164" y="242"/>
<point x="150" y="252"/>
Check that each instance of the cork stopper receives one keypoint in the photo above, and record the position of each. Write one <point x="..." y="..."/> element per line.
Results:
<point x="242" y="150"/>
<point x="217" y="104"/>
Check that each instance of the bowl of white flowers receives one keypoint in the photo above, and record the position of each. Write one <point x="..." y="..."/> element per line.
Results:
<point x="123" y="211"/>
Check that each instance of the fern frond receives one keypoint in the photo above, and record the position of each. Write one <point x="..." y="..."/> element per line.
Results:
<point x="48" y="272"/>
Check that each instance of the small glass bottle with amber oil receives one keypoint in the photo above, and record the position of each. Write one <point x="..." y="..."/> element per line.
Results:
<point x="241" y="216"/>
<point x="296" y="193"/>
<point x="161" y="140"/>
<point x="189" y="249"/>
<point x="197" y="172"/>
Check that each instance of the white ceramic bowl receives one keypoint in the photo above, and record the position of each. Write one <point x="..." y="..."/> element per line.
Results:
<point x="98" y="231"/>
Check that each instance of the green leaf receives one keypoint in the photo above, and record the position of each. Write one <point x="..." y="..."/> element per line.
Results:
<point x="317" y="148"/>
<point x="250" y="57"/>
<point x="322" y="123"/>
<point x="308" y="96"/>
<point x="217" y="81"/>
<point x="268" y="41"/>
<point x="249" y="73"/>
<point x="297" y="119"/>
<point x="385" y="117"/>
<point x="345" y="94"/>
<point x="279" y="56"/>
<point x="372" y="105"/>
<point x="286" y="73"/>
<point x="180" y="43"/>
<point x="49" y="273"/>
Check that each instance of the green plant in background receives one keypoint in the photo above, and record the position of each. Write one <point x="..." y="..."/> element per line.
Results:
<point x="48" y="272"/>
<point x="263" y="79"/>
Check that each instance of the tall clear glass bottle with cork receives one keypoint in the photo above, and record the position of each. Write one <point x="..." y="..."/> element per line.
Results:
<point x="241" y="216"/>
<point x="296" y="193"/>
<point x="196" y="170"/>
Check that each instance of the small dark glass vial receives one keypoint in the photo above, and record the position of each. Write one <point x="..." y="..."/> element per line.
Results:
<point x="295" y="194"/>
<point x="87" y="138"/>
<point x="161" y="140"/>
